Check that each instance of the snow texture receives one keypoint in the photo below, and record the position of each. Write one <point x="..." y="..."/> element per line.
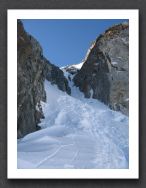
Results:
<point x="77" y="133"/>
<point x="114" y="63"/>
<point x="78" y="66"/>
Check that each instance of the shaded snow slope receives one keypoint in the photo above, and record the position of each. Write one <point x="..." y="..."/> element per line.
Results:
<point x="77" y="133"/>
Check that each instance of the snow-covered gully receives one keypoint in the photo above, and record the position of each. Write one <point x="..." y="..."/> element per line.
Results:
<point x="76" y="133"/>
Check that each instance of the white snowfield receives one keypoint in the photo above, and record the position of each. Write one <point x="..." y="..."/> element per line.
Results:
<point x="77" y="133"/>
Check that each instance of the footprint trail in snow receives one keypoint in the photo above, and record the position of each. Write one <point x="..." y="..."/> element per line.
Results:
<point x="76" y="133"/>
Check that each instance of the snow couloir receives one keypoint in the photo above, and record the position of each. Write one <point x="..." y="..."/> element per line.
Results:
<point x="77" y="133"/>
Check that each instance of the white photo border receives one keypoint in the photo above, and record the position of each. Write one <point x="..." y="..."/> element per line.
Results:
<point x="133" y="172"/>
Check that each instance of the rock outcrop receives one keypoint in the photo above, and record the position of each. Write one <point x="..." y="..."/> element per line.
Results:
<point x="32" y="69"/>
<point x="71" y="69"/>
<point x="56" y="76"/>
<point x="105" y="72"/>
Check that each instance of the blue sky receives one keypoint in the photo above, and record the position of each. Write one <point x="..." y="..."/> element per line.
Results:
<point x="66" y="42"/>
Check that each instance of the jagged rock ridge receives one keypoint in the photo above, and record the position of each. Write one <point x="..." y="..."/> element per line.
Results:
<point x="105" y="72"/>
<point x="32" y="69"/>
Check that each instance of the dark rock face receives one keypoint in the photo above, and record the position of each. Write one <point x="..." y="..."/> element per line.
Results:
<point x="56" y="76"/>
<point x="105" y="72"/>
<point x="71" y="69"/>
<point x="32" y="70"/>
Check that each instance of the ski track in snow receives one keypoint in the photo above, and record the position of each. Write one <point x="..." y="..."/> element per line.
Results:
<point x="76" y="133"/>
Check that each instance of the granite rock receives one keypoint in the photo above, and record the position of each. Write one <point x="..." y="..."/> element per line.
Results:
<point x="32" y="70"/>
<point x="105" y="72"/>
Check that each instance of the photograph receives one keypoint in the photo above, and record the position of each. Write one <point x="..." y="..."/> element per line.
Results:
<point x="76" y="94"/>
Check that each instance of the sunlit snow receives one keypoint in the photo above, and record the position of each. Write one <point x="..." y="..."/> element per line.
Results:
<point x="76" y="133"/>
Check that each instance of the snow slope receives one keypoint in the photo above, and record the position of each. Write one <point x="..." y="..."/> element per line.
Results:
<point x="77" y="66"/>
<point x="76" y="133"/>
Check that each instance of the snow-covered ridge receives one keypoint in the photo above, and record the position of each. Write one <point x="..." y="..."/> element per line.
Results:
<point x="89" y="50"/>
<point x="79" y="65"/>
<point x="76" y="66"/>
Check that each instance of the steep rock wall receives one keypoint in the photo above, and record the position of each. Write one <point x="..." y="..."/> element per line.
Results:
<point x="32" y="69"/>
<point x="105" y="72"/>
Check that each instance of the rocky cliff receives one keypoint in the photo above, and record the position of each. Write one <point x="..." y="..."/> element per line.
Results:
<point x="32" y="69"/>
<point x="105" y="72"/>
